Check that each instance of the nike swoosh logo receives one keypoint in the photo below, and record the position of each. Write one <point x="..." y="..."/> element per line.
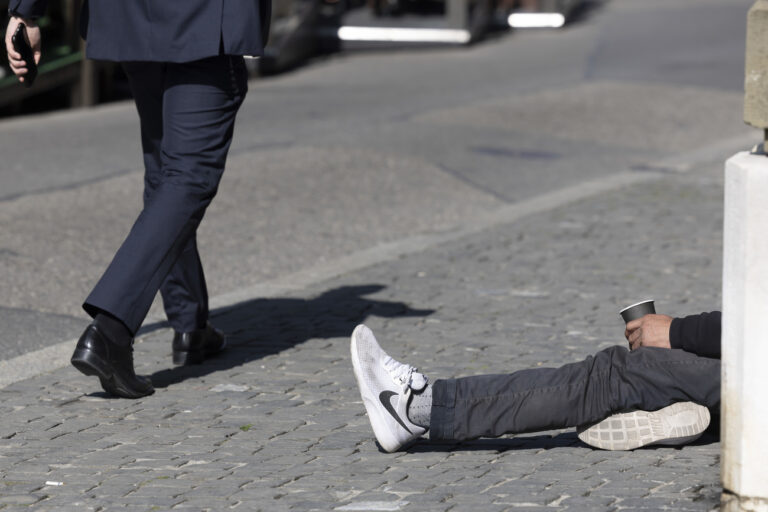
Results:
<point x="384" y="397"/>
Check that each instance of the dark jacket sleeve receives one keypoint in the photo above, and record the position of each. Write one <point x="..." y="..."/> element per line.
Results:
<point x="699" y="334"/>
<point x="28" y="9"/>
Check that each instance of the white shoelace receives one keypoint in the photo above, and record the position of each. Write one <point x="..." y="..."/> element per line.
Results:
<point x="405" y="375"/>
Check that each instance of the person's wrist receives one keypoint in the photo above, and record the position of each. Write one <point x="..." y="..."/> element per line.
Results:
<point x="27" y="22"/>
<point x="30" y="22"/>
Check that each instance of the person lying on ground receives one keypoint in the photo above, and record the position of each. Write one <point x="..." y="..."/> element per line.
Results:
<point x="659" y="391"/>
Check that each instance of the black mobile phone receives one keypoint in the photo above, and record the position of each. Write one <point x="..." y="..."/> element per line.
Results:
<point x="20" y="44"/>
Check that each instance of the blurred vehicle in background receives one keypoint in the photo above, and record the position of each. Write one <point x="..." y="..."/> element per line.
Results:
<point x="448" y="21"/>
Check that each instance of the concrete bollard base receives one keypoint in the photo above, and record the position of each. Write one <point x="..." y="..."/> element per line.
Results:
<point x="744" y="414"/>
<point x="733" y="503"/>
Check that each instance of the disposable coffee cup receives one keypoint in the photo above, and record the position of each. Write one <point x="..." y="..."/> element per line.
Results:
<point x="638" y="310"/>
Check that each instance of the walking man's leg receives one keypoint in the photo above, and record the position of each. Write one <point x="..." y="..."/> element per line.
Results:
<point x="184" y="292"/>
<point x="199" y="103"/>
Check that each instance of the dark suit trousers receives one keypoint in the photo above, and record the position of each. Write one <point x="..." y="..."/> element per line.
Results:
<point x="187" y="114"/>
<point x="612" y="381"/>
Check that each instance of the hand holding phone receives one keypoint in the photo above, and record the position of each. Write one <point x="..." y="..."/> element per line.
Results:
<point x="21" y="45"/>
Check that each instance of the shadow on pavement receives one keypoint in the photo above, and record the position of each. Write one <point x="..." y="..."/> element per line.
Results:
<point x="532" y="442"/>
<point x="262" y="327"/>
<point x="502" y="444"/>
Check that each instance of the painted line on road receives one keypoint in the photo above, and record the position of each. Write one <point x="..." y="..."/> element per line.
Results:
<point x="57" y="356"/>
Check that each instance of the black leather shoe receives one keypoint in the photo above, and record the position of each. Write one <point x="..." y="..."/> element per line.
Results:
<point x="95" y="354"/>
<point x="194" y="346"/>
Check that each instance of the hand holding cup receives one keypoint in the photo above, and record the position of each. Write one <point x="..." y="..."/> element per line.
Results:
<point x="644" y="327"/>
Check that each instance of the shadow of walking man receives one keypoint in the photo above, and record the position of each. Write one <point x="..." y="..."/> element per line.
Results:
<point x="261" y="327"/>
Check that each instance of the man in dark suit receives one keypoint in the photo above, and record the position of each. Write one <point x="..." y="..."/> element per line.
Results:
<point x="184" y="62"/>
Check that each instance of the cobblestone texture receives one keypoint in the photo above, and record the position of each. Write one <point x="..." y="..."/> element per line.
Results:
<point x="276" y="423"/>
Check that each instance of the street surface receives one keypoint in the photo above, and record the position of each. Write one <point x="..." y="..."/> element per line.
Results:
<point x="482" y="209"/>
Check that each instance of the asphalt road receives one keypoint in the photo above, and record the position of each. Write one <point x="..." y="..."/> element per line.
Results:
<point x="369" y="148"/>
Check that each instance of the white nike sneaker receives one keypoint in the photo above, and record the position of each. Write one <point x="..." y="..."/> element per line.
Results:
<point x="676" y="424"/>
<point x="382" y="379"/>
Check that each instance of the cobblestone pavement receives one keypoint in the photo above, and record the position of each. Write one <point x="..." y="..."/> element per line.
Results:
<point x="276" y="422"/>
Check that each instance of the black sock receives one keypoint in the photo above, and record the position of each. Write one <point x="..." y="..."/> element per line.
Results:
<point x="115" y="329"/>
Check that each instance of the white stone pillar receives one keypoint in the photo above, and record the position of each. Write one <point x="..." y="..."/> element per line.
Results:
<point x="744" y="428"/>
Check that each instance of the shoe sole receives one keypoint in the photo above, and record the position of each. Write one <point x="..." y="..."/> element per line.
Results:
<point x="375" y="415"/>
<point x="676" y="424"/>
<point x="90" y="364"/>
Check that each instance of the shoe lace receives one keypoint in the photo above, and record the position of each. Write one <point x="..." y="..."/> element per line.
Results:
<point x="405" y="375"/>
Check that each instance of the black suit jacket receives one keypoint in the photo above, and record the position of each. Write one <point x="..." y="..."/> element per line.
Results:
<point x="167" y="30"/>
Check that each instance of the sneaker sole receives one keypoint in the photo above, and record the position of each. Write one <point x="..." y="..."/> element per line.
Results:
<point x="375" y="415"/>
<point x="676" y="424"/>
